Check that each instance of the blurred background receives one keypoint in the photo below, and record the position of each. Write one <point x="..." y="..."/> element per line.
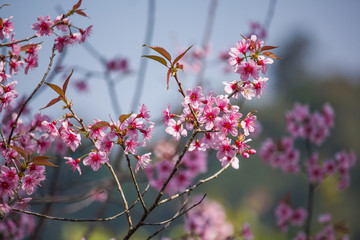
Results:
<point x="320" y="63"/>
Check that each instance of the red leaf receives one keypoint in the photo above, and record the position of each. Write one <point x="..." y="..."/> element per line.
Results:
<point x="100" y="125"/>
<point x="81" y="12"/>
<point x="4" y="6"/>
<point x="168" y="79"/>
<point x="66" y="82"/>
<point x="1" y="23"/>
<point x="77" y="5"/>
<point x="265" y="48"/>
<point x="123" y="117"/>
<point x="160" y="50"/>
<point x="270" y="55"/>
<point x="57" y="89"/>
<point x="52" y="102"/>
<point x="42" y="160"/>
<point x="157" y="58"/>
<point x="28" y="46"/>
<point x="19" y="150"/>
<point x="181" y="55"/>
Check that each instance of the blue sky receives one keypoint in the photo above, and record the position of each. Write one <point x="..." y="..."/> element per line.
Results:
<point x="119" y="29"/>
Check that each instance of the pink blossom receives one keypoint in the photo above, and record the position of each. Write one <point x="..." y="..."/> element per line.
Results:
<point x="300" y="236"/>
<point x="325" y="218"/>
<point x="144" y="113"/>
<point x="50" y="128"/>
<point x="131" y="145"/>
<point x="30" y="181"/>
<point x="74" y="164"/>
<point x="167" y="115"/>
<point x="248" y="69"/>
<point x="95" y="159"/>
<point x="176" y="129"/>
<point x="43" y="27"/>
<point x="263" y="62"/>
<point x="14" y="65"/>
<point x="248" y="90"/>
<point x="226" y="126"/>
<point x="208" y="116"/>
<point x="246" y="233"/>
<point x="142" y="161"/>
<point x="85" y="34"/>
<point x="62" y="24"/>
<point x="298" y="217"/>
<point x="194" y="97"/>
<point x="71" y="139"/>
<point x="6" y="28"/>
<point x="248" y="124"/>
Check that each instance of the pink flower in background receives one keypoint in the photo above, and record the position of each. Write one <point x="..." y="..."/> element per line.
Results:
<point x="246" y="233"/>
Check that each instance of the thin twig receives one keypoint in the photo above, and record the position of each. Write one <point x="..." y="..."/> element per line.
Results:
<point x="188" y="190"/>
<point x="135" y="183"/>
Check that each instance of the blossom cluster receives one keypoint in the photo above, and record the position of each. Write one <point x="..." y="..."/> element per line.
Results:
<point x="208" y="221"/>
<point x="192" y="164"/>
<point x="224" y="131"/>
<point x="313" y="128"/>
<point x="130" y="132"/>
<point x="329" y="230"/>
<point x="286" y="214"/>
<point x="249" y="59"/>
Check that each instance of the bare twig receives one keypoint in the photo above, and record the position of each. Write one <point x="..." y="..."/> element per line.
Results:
<point x="177" y="215"/>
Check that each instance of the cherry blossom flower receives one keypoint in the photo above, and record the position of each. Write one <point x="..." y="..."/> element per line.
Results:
<point x="176" y="129"/>
<point x="6" y="28"/>
<point x="43" y="26"/>
<point x="74" y="164"/>
<point x="95" y="159"/>
<point x="142" y="161"/>
<point x="194" y="97"/>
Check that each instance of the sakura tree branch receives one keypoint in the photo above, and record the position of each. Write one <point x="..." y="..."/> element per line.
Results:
<point x="143" y="63"/>
<point x="188" y="190"/>
<point x="32" y="94"/>
<point x="135" y="182"/>
<point x="17" y="41"/>
<point x="161" y="192"/>
<point x="178" y="214"/>
<point x="80" y="121"/>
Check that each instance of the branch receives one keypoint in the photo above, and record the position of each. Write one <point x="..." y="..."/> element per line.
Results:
<point x="177" y="215"/>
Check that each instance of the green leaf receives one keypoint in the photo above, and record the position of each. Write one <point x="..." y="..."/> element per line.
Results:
<point x="270" y="55"/>
<point x="52" y="102"/>
<point x="42" y="160"/>
<point x="160" y="50"/>
<point x="181" y="55"/>
<point x="100" y="125"/>
<point x="57" y="89"/>
<point x="157" y="58"/>
<point x="123" y="117"/>
<point x="19" y="150"/>
<point x="66" y="82"/>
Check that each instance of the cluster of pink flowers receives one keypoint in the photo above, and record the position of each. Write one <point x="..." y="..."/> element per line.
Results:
<point x="341" y="165"/>
<point x="329" y="231"/>
<point x="192" y="164"/>
<point x="286" y="214"/>
<point x="208" y="221"/>
<point x="313" y="128"/>
<point x="45" y="27"/>
<point x="246" y="60"/>
<point x="17" y="227"/>
<point x="130" y="132"/>
<point x="281" y="154"/>
<point x="193" y="61"/>
<point x="224" y="131"/>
